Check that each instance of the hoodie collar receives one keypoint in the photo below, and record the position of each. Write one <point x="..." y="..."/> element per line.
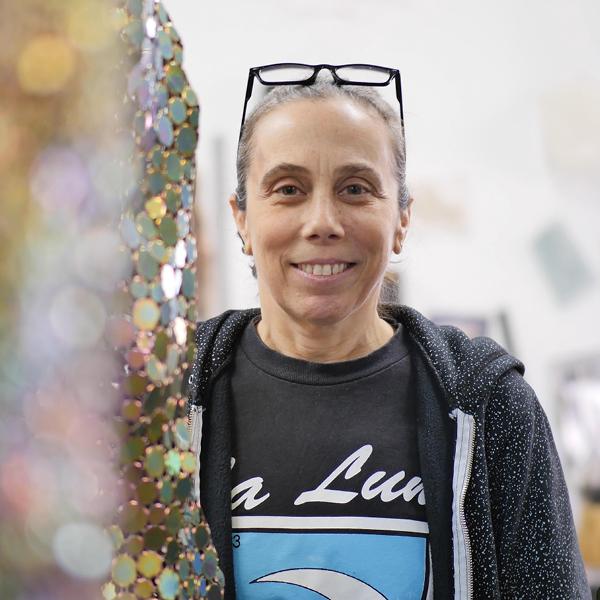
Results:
<point x="466" y="369"/>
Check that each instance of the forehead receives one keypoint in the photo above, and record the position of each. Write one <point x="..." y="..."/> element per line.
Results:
<point x="324" y="131"/>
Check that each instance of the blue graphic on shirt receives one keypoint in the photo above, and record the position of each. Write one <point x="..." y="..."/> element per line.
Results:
<point x="312" y="565"/>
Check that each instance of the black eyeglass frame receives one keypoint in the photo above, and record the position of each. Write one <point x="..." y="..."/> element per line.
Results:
<point x="254" y="72"/>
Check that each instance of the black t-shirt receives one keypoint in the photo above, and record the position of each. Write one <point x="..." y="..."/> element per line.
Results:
<point x="327" y="499"/>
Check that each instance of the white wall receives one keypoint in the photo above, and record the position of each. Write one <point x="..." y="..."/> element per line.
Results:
<point x="503" y="133"/>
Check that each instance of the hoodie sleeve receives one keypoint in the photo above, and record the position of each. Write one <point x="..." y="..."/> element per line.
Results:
<point x="536" y="544"/>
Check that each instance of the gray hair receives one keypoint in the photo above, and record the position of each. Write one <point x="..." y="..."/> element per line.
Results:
<point x="323" y="88"/>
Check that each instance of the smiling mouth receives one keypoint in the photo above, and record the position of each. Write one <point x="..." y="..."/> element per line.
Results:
<point x="350" y="266"/>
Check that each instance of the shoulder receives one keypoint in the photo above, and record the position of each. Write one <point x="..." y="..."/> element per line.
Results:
<point x="516" y="425"/>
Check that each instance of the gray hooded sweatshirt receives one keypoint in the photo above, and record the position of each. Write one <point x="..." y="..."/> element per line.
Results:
<point x="498" y="509"/>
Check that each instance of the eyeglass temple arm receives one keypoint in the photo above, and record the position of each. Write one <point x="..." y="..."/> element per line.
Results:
<point x="248" y="94"/>
<point x="399" y="96"/>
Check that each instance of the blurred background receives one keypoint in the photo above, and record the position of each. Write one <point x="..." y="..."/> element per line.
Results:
<point x="502" y="115"/>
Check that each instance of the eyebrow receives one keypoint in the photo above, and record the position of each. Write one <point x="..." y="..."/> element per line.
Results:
<point x="344" y="170"/>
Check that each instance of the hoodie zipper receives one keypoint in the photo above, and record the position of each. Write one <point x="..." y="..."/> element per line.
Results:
<point x="465" y="425"/>
<point x="195" y="429"/>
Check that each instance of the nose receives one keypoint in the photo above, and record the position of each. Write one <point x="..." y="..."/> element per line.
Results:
<point x="322" y="218"/>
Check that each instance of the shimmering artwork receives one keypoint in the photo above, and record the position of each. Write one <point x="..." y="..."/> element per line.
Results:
<point x="161" y="541"/>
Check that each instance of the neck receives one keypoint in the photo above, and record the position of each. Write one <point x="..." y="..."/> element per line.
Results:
<point x="357" y="335"/>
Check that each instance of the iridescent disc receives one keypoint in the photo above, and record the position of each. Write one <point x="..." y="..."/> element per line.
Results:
<point x="170" y="280"/>
<point x="174" y="167"/>
<point x="189" y="283"/>
<point x="166" y="492"/>
<point x="157" y="250"/>
<point x="180" y="254"/>
<point x="132" y="409"/>
<point x="180" y="331"/>
<point x="172" y="358"/>
<point x="133" y="518"/>
<point x="183" y="567"/>
<point x="123" y="570"/>
<point x="190" y="246"/>
<point x="164" y="130"/>
<point x="177" y="110"/>
<point x="138" y="287"/>
<point x="132" y="449"/>
<point x="210" y="564"/>
<point x="162" y="14"/>
<point x="168" y="584"/>
<point x="174" y="519"/>
<point x="147" y="491"/>
<point x="162" y="95"/>
<point x="135" y="359"/>
<point x="135" y="7"/>
<point x="134" y="32"/>
<point x="201" y="536"/>
<point x="147" y="265"/>
<point x="146" y="314"/>
<point x="182" y="434"/>
<point x="160" y="346"/>
<point x="156" y="183"/>
<point x="187" y="141"/>
<point x="168" y="231"/>
<point x="175" y="79"/>
<point x="165" y="45"/>
<point x="189" y="96"/>
<point x="154" y="537"/>
<point x="149" y="564"/>
<point x="188" y="462"/>
<point x="173" y="33"/>
<point x="186" y="196"/>
<point x="116" y="536"/>
<point x="183" y="489"/>
<point x="156" y="370"/>
<point x="173" y="198"/>
<point x="178" y="54"/>
<point x="155" y="462"/>
<point x="183" y="223"/>
<point x="156" y="207"/>
<point x="156" y="292"/>
<point x="194" y="117"/>
<point x="109" y="591"/>
<point x="157" y="515"/>
<point x="173" y="462"/>
<point x="134" y="544"/>
<point x="135" y="384"/>
<point x="145" y="225"/>
<point x="143" y="589"/>
<point x="189" y="171"/>
<point x="214" y="592"/>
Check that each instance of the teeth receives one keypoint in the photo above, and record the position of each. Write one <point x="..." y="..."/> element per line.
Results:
<point x="323" y="270"/>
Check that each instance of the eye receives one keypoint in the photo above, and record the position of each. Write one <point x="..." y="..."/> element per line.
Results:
<point x="356" y="189"/>
<point x="287" y="190"/>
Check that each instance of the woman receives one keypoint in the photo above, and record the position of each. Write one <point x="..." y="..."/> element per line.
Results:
<point x="353" y="449"/>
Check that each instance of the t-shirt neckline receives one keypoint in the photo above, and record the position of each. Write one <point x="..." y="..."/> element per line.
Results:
<point x="315" y="373"/>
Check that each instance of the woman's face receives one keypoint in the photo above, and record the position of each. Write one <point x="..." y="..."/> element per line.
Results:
<point x="321" y="189"/>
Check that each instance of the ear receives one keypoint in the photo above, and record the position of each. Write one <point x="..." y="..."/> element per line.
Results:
<point x="239" y="217"/>
<point x="402" y="226"/>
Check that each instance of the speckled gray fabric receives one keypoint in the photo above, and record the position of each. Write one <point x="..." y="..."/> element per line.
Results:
<point x="517" y="508"/>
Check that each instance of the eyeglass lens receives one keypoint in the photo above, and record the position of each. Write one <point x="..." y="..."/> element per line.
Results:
<point x="299" y="73"/>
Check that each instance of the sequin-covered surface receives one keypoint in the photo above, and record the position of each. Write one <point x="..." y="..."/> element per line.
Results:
<point x="517" y="511"/>
<point x="163" y="546"/>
